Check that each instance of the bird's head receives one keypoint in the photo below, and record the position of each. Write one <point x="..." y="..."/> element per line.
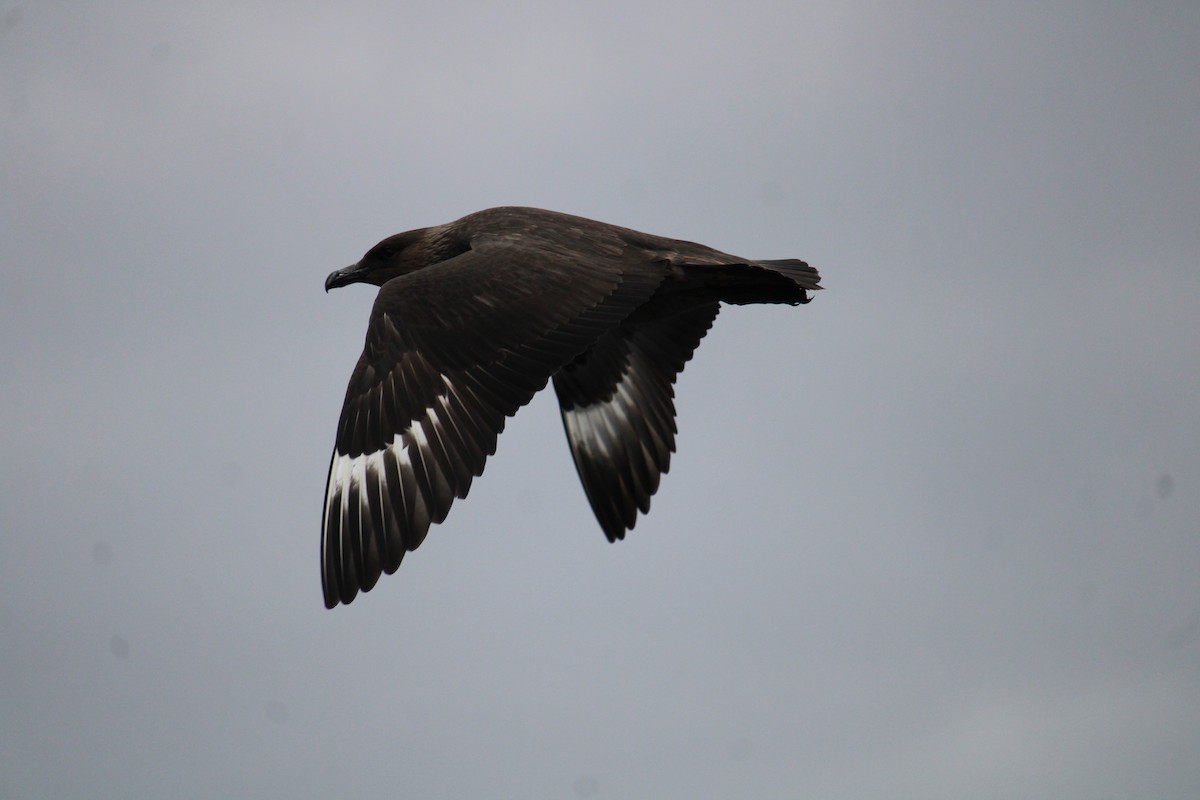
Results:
<point x="394" y="256"/>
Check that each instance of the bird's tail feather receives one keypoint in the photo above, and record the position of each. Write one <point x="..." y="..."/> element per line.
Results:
<point x="787" y="280"/>
<point x="802" y="274"/>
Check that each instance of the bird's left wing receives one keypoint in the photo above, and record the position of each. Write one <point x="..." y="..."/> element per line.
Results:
<point x="451" y="351"/>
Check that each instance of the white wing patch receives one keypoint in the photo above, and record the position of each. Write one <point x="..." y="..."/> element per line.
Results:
<point x="614" y="434"/>
<point x="354" y="479"/>
<point x="598" y="430"/>
<point x="348" y="496"/>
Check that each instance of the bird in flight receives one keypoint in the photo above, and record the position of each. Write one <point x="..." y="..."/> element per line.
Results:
<point x="474" y="317"/>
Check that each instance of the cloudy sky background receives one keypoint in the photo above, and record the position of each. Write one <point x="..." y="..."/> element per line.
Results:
<point x="935" y="535"/>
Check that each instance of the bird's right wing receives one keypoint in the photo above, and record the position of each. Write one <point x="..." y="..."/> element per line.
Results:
<point x="451" y="351"/>
<point x="618" y="411"/>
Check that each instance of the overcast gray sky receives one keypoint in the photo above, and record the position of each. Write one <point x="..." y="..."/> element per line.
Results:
<point x="934" y="535"/>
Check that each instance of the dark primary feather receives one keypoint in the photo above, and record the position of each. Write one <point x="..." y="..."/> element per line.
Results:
<point x="472" y="319"/>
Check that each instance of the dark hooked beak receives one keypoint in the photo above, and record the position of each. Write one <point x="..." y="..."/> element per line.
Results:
<point x="344" y="277"/>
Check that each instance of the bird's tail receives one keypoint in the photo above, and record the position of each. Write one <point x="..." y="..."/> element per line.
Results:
<point x="785" y="280"/>
<point x="799" y="272"/>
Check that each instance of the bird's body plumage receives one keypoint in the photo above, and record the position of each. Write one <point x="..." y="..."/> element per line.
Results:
<point x="471" y="320"/>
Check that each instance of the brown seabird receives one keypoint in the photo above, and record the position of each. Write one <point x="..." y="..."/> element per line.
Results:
<point x="475" y="316"/>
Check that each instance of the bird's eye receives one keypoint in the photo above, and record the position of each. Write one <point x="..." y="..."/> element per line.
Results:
<point x="381" y="252"/>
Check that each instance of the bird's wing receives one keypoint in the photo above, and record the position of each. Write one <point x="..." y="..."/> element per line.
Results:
<point x="451" y="351"/>
<point x="619" y="415"/>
